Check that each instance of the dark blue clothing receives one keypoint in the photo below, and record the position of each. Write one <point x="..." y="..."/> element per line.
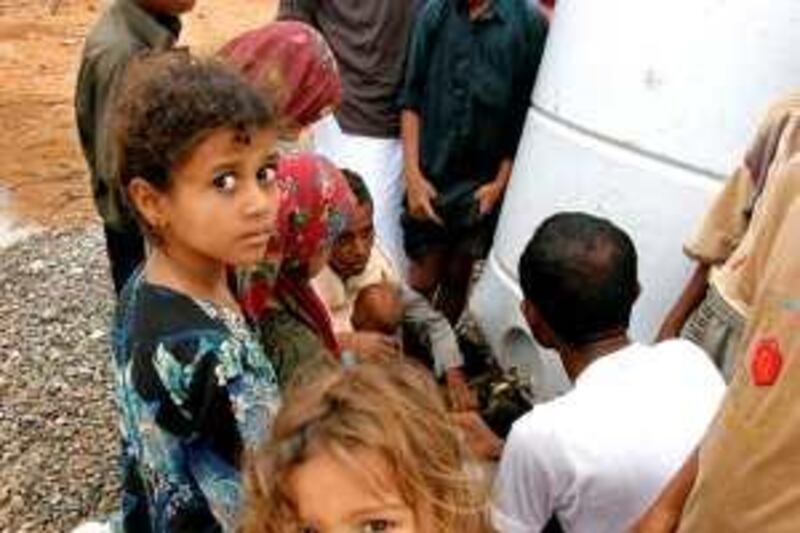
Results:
<point x="471" y="82"/>
<point x="194" y="390"/>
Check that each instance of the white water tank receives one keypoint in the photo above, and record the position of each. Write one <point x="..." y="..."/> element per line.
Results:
<point x="641" y="109"/>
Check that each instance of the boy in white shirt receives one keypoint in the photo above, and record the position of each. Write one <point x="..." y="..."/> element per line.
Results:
<point x="595" y="457"/>
<point x="357" y="261"/>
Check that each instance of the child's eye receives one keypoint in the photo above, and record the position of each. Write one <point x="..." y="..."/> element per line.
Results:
<point x="265" y="175"/>
<point x="374" y="526"/>
<point x="225" y="182"/>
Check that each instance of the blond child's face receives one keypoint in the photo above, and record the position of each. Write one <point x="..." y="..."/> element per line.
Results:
<point x="223" y="200"/>
<point x="337" y="497"/>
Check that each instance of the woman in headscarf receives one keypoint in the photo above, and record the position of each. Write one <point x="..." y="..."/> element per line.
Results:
<point x="291" y="320"/>
<point x="292" y="65"/>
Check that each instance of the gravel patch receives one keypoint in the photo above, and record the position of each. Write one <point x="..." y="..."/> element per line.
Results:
<point x="58" y="430"/>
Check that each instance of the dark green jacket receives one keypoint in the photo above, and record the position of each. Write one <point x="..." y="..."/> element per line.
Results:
<point x="123" y="31"/>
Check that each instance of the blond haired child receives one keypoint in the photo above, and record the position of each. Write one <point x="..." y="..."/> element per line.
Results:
<point x="364" y="448"/>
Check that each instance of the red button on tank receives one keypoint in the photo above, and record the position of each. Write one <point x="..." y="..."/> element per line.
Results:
<point x="765" y="366"/>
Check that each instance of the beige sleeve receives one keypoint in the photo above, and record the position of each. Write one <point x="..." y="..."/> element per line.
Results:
<point x="725" y="223"/>
<point x="759" y="253"/>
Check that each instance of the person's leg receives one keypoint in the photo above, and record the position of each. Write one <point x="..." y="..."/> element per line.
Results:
<point x="125" y="253"/>
<point x="468" y="246"/>
<point x="380" y="163"/>
<point x="391" y="191"/>
<point x="717" y="328"/>
<point x="454" y="286"/>
<point x="425" y="273"/>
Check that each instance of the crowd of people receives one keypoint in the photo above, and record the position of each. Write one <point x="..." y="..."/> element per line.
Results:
<point x="292" y="227"/>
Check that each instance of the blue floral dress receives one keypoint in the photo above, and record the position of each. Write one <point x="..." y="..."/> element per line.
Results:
<point x="194" y="391"/>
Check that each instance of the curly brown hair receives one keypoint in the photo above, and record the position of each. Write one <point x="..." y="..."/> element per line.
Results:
<point x="391" y="408"/>
<point x="169" y="103"/>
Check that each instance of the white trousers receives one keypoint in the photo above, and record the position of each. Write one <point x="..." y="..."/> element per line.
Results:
<point x="380" y="163"/>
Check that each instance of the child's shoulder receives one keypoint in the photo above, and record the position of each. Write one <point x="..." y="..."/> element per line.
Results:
<point x="433" y="12"/>
<point x="110" y="38"/>
<point x="158" y="316"/>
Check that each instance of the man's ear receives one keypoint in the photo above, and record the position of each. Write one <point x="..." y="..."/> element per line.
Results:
<point x="541" y="330"/>
<point x="149" y="203"/>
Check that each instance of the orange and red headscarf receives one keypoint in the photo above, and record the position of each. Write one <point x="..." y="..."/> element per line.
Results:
<point x="293" y="63"/>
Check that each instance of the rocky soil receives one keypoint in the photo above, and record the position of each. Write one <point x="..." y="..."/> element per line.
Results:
<point x="58" y="434"/>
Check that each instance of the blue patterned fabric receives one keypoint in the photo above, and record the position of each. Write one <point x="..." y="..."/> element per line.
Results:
<point x="194" y="390"/>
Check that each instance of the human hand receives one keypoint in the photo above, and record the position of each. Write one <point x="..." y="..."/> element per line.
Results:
<point x="372" y="346"/>
<point x="420" y="194"/>
<point x="488" y="195"/>
<point x="462" y="397"/>
<point x="670" y="329"/>
<point x="654" y="522"/>
<point x="480" y="439"/>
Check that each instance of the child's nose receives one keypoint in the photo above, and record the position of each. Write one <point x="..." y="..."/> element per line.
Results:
<point x="262" y="200"/>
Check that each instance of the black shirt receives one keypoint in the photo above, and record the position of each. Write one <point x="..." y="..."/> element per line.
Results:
<point x="369" y="39"/>
<point x="471" y="81"/>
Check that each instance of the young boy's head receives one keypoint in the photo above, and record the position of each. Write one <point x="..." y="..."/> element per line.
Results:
<point x="378" y="308"/>
<point x="579" y="278"/>
<point x="352" y="249"/>
<point x="196" y="157"/>
<point x="167" y="7"/>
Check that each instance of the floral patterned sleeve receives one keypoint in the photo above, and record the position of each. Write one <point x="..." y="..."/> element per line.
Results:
<point x="197" y="402"/>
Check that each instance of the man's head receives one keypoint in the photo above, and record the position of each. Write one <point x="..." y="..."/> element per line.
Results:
<point x="167" y="7"/>
<point x="579" y="280"/>
<point x="352" y="249"/>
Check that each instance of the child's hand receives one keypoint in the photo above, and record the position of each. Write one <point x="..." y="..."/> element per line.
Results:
<point x="420" y="195"/>
<point x="371" y="346"/>
<point x="488" y="195"/>
<point x="462" y="397"/>
<point x="480" y="439"/>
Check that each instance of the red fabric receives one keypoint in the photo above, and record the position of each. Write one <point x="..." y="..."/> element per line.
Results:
<point x="256" y="285"/>
<point x="317" y="204"/>
<point x="316" y="207"/>
<point x="292" y="61"/>
<point x="767" y="361"/>
<point x="308" y="308"/>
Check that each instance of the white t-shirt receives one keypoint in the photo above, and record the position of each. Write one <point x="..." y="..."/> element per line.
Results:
<point x="600" y="454"/>
<point x="339" y="296"/>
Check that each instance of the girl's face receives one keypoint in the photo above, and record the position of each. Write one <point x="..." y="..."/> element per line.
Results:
<point x="333" y="497"/>
<point x="223" y="200"/>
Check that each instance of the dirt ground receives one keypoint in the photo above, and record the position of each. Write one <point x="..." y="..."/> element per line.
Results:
<point x="40" y="44"/>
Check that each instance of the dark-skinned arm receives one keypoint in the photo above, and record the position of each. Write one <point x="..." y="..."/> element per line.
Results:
<point x="693" y="294"/>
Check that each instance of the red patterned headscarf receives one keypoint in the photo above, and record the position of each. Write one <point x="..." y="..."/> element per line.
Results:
<point x="293" y="63"/>
<point x="317" y="205"/>
<point x="315" y="208"/>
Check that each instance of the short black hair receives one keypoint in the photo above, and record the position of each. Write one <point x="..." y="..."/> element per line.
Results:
<point x="358" y="186"/>
<point x="169" y="102"/>
<point x="580" y="272"/>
